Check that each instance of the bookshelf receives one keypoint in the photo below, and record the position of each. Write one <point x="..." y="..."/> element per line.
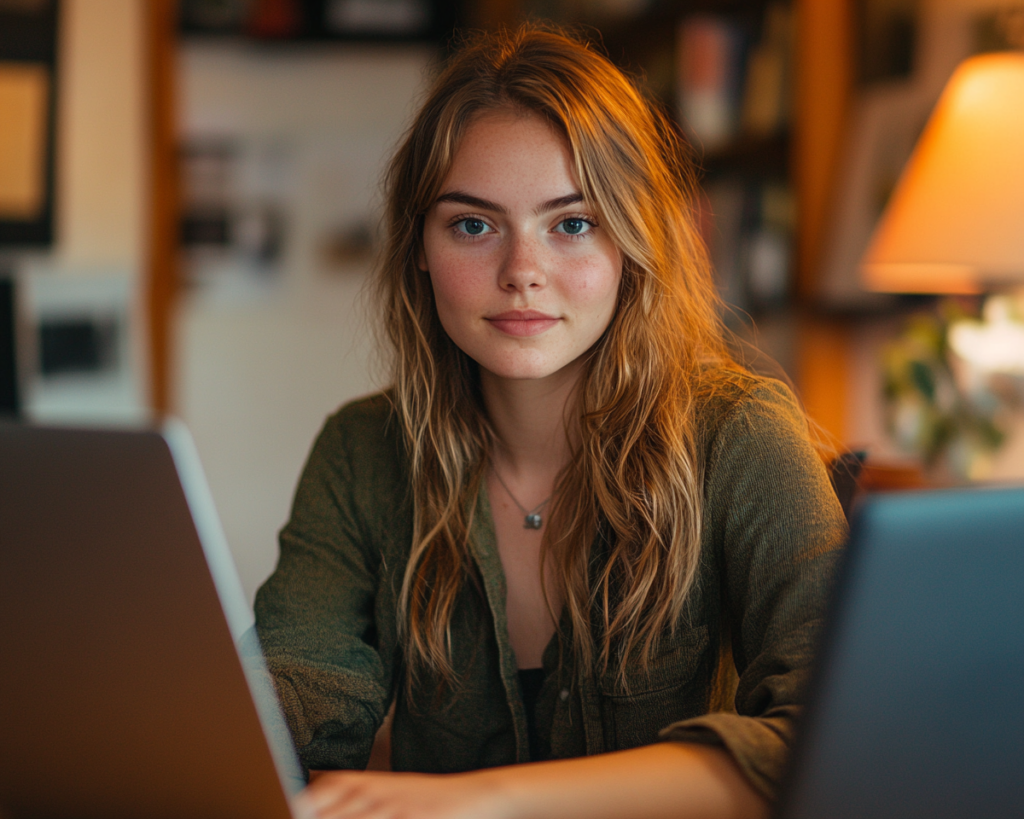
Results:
<point x="770" y="186"/>
<point x="723" y="71"/>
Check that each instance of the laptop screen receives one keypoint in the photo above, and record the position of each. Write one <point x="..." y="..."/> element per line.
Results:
<point x="121" y="673"/>
<point x="917" y="706"/>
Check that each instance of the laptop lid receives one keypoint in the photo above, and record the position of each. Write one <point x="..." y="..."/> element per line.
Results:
<point x="916" y="708"/>
<point x="123" y="693"/>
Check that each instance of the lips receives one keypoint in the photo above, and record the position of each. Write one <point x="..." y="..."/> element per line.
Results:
<point x="522" y="322"/>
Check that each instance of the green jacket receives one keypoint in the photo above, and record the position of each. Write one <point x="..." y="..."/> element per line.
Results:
<point x="326" y="618"/>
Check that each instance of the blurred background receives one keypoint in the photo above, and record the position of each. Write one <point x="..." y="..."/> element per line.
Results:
<point x="189" y="204"/>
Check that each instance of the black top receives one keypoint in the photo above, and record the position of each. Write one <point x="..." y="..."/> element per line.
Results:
<point x="530" y="682"/>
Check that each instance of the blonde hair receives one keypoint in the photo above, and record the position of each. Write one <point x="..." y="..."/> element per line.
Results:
<point x="633" y="487"/>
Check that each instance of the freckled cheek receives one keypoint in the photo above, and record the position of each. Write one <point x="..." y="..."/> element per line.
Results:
<point x="591" y="284"/>
<point x="458" y="286"/>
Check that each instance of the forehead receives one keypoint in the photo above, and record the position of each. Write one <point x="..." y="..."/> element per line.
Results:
<point x="509" y="149"/>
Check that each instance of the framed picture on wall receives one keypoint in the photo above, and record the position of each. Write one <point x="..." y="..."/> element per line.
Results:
<point x="370" y="21"/>
<point x="28" y="61"/>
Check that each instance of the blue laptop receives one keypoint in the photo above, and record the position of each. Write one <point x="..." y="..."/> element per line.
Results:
<point x="916" y="708"/>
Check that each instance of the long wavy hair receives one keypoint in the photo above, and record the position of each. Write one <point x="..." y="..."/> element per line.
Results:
<point x="633" y="486"/>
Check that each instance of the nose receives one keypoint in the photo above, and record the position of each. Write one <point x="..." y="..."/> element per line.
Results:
<point x="524" y="265"/>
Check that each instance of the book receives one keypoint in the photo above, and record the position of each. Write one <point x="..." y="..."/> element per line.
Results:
<point x="709" y="62"/>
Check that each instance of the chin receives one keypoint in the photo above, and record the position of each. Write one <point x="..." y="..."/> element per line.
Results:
<point x="529" y="370"/>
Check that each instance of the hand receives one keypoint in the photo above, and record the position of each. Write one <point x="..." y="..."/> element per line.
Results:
<point x="386" y="795"/>
<point x="668" y="780"/>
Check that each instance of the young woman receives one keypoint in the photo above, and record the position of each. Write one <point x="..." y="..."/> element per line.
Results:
<point x="542" y="541"/>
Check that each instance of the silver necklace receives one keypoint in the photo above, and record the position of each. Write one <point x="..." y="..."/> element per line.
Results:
<point x="531" y="517"/>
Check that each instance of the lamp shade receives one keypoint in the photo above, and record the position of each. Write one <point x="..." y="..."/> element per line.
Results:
<point x="955" y="222"/>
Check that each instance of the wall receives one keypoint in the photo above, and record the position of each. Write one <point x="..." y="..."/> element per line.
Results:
<point x="100" y="203"/>
<point x="101" y="147"/>
<point x="263" y="361"/>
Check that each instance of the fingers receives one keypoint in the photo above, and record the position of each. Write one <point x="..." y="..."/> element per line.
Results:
<point x="351" y="795"/>
<point x="369" y="795"/>
<point x="333" y="796"/>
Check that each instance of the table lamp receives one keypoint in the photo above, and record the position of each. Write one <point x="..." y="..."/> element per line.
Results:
<point x="955" y="222"/>
<point x="955" y="225"/>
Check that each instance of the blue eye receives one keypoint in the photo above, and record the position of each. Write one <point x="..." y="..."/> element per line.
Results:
<point x="574" y="227"/>
<point x="474" y="227"/>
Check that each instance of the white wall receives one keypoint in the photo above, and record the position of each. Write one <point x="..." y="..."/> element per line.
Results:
<point x="260" y="368"/>
<point x="100" y="218"/>
<point x="101" y="151"/>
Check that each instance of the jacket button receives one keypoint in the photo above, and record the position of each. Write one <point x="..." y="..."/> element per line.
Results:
<point x="563" y="695"/>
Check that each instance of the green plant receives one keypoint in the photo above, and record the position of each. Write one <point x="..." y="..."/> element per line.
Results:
<point x="934" y="408"/>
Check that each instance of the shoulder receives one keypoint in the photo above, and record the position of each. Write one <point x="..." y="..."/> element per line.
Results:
<point x="366" y="427"/>
<point x="759" y="449"/>
<point x="353" y="495"/>
<point x="359" y="453"/>
<point x="738" y="403"/>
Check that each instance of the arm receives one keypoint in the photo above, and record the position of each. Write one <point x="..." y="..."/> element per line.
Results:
<point x="316" y="616"/>
<point x="671" y="780"/>
<point x="778" y="529"/>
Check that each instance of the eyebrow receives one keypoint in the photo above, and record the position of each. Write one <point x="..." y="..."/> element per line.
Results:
<point x="462" y="198"/>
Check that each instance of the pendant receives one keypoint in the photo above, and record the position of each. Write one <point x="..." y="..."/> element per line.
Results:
<point x="532" y="521"/>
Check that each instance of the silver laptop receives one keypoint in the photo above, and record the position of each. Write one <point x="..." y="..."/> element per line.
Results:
<point x="917" y="705"/>
<point x="124" y="691"/>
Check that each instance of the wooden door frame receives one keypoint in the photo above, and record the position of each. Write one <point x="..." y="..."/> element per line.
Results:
<point x="824" y="88"/>
<point x="161" y="277"/>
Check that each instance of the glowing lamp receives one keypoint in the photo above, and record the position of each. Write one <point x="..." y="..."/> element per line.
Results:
<point x="955" y="222"/>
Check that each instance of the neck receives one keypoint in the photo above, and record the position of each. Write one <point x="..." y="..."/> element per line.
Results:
<point x="529" y="418"/>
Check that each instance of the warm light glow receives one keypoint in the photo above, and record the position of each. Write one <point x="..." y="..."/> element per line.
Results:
<point x="955" y="223"/>
<point x="995" y="344"/>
